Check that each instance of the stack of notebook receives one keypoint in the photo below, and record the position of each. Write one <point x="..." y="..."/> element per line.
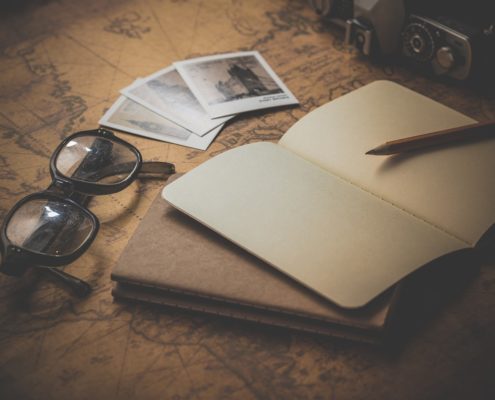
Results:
<point x="175" y="261"/>
<point x="311" y="233"/>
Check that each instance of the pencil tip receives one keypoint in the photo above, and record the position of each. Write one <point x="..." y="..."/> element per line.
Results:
<point x="381" y="150"/>
<point x="372" y="152"/>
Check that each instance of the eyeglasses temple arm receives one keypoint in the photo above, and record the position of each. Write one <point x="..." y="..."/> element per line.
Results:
<point x="157" y="167"/>
<point x="42" y="242"/>
<point x="161" y="169"/>
<point x="78" y="286"/>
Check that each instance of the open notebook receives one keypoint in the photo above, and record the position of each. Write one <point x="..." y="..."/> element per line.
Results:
<point x="342" y="223"/>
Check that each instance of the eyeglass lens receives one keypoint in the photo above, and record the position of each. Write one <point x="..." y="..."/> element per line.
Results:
<point x="49" y="227"/>
<point x="96" y="160"/>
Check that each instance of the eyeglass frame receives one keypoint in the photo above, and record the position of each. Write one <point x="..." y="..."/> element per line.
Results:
<point x="75" y="192"/>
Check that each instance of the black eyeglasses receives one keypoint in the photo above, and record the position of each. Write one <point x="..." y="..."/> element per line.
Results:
<point x="54" y="227"/>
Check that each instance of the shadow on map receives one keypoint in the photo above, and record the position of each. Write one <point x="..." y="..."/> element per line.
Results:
<point x="430" y="292"/>
<point x="18" y="6"/>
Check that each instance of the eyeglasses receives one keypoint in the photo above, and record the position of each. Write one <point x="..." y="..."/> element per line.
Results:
<point x="54" y="227"/>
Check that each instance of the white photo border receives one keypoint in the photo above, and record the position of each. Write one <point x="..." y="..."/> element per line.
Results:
<point x="194" y="141"/>
<point x="198" y="127"/>
<point x="240" y="105"/>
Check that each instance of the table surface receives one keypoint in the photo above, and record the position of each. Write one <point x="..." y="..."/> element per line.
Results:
<point x="62" y="65"/>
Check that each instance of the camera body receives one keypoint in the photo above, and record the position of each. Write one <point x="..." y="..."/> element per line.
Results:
<point x="456" y="39"/>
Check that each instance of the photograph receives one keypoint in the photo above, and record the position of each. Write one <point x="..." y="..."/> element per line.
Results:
<point x="129" y="116"/>
<point x="166" y="93"/>
<point x="228" y="84"/>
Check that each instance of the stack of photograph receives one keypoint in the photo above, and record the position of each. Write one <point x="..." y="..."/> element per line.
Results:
<point x="189" y="102"/>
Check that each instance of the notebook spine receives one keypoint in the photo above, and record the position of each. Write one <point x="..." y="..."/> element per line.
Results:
<point x="331" y="330"/>
<point x="347" y="323"/>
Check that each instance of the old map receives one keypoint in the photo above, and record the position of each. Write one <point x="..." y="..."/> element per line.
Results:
<point x="62" y="65"/>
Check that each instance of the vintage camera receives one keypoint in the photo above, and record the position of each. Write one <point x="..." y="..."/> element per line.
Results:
<point x="456" y="39"/>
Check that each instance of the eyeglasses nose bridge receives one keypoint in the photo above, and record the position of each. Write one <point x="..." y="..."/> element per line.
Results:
<point x="66" y="186"/>
<point x="105" y="133"/>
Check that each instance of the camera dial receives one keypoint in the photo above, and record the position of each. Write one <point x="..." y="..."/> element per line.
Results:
<point x="459" y="44"/>
<point x="418" y="42"/>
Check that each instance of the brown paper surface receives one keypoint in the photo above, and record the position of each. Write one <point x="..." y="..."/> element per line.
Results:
<point x="173" y="255"/>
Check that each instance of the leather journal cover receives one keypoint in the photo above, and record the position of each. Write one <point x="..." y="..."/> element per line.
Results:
<point x="174" y="260"/>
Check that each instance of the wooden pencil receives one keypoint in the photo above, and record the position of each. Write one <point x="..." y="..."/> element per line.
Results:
<point x="477" y="131"/>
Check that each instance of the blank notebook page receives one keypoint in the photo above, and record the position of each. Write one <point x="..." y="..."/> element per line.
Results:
<point x="331" y="236"/>
<point x="452" y="188"/>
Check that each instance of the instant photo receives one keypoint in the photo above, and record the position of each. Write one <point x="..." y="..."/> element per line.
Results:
<point x="166" y="93"/>
<point x="232" y="83"/>
<point x="128" y="116"/>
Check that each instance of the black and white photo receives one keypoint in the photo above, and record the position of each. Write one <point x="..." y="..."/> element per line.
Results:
<point x="231" y="83"/>
<point x="128" y="116"/>
<point x="166" y="93"/>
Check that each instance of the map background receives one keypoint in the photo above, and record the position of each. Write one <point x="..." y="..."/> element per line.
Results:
<point x="62" y="64"/>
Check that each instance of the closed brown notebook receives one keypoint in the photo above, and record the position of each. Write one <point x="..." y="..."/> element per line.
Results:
<point x="174" y="260"/>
